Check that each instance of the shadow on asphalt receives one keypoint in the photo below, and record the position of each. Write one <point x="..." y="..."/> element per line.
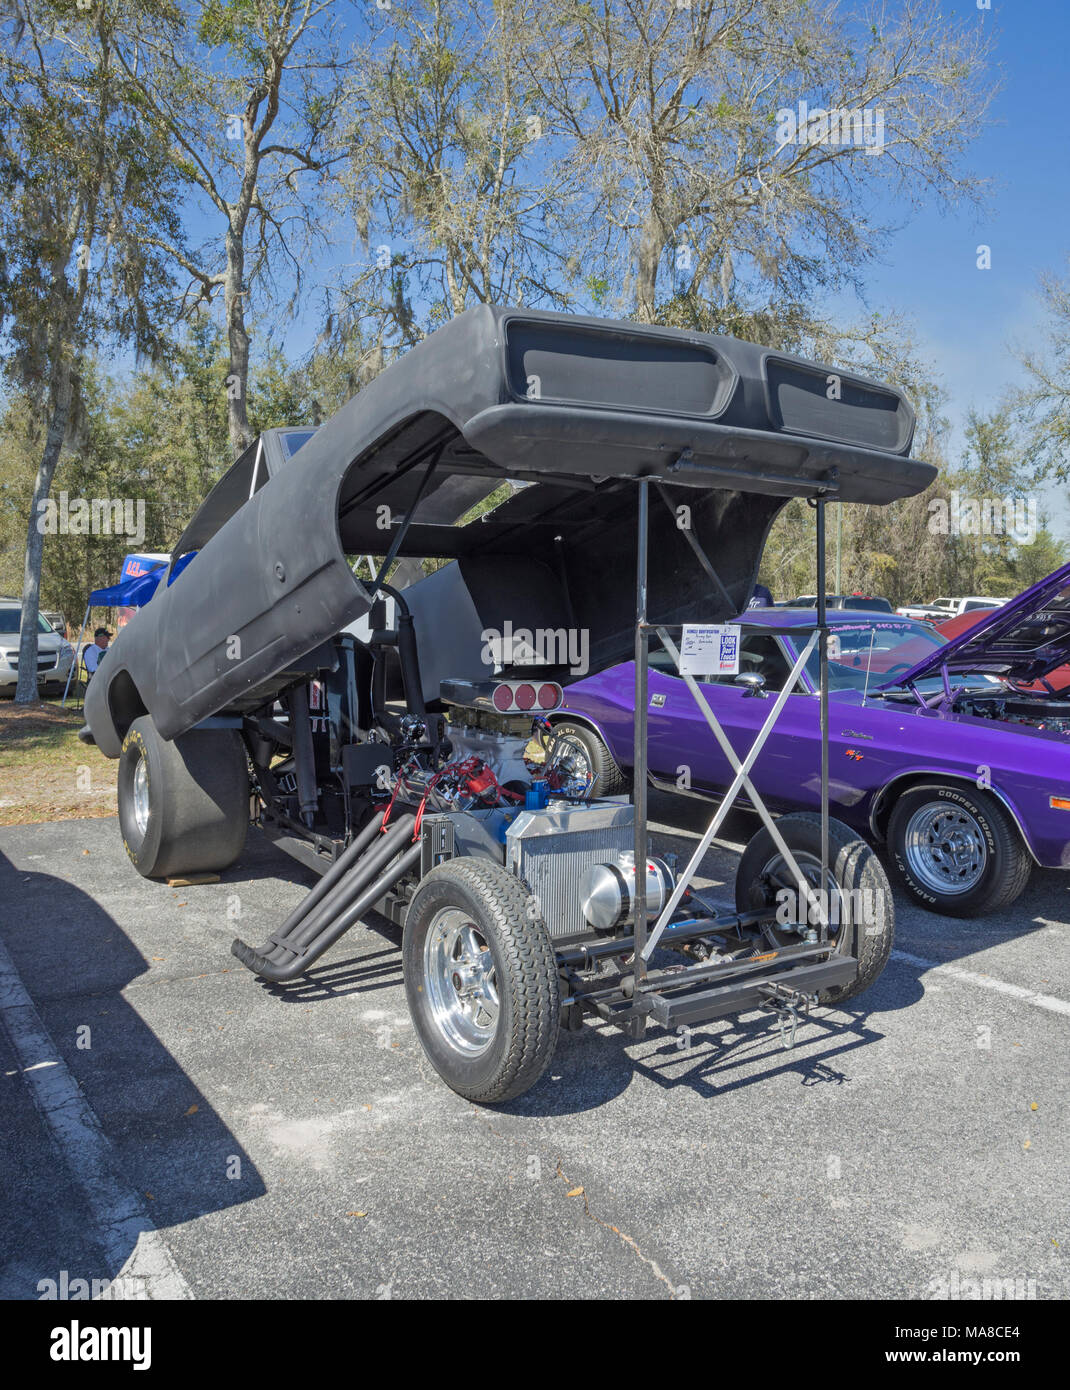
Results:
<point x="709" y="1065"/>
<point x="167" y="1138"/>
<point x="592" y="1068"/>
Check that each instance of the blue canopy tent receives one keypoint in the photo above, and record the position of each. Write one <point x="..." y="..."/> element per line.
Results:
<point x="128" y="593"/>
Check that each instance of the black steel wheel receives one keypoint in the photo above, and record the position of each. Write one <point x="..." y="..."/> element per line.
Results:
<point x="857" y="894"/>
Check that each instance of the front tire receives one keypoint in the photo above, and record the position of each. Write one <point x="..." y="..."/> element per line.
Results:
<point x="856" y="883"/>
<point x="481" y="980"/>
<point x="183" y="803"/>
<point x="956" y="850"/>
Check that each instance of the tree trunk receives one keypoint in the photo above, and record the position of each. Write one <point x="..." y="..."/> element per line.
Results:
<point x="26" y="690"/>
<point x="651" y="245"/>
<point x="238" y="341"/>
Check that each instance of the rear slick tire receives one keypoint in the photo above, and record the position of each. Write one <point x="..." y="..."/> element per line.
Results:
<point x="183" y="803"/>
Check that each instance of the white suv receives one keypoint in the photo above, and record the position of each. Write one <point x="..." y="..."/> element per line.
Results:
<point x="54" y="652"/>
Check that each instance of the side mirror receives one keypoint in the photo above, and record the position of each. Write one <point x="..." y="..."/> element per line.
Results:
<point x="755" y="685"/>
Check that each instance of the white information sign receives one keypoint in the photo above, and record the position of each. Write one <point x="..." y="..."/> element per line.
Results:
<point x="710" y="649"/>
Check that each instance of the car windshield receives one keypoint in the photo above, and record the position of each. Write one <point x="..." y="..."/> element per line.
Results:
<point x="11" y="620"/>
<point x="880" y="605"/>
<point x="877" y="650"/>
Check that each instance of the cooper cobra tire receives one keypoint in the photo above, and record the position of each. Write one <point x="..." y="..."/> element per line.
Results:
<point x="957" y="850"/>
<point x="858" y="884"/>
<point x="183" y="803"/>
<point x="607" y="778"/>
<point x="481" y="980"/>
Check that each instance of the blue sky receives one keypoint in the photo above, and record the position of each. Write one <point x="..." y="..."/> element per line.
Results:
<point x="968" y="320"/>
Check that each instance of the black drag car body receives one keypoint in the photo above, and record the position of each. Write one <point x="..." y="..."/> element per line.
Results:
<point x="395" y="731"/>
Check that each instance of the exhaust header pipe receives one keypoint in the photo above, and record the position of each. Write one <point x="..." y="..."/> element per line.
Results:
<point x="285" y="955"/>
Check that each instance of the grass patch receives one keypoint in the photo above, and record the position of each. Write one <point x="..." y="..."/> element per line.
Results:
<point x="46" y="772"/>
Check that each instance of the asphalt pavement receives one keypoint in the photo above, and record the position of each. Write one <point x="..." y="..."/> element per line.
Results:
<point x="175" y="1126"/>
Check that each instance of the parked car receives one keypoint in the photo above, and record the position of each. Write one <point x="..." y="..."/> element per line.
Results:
<point x="941" y="608"/>
<point x="854" y="601"/>
<point x="394" y="759"/>
<point x="922" y="612"/>
<point x="54" y="652"/>
<point x="935" y="747"/>
<point x="972" y="603"/>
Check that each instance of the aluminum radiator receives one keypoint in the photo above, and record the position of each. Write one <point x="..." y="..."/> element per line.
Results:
<point x="550" y="850"/>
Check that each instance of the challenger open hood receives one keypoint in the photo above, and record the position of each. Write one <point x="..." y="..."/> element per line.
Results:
<point x="1024" y="640"/>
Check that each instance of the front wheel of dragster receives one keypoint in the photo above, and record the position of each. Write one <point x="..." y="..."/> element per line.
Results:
<point x="481" y="980"/>
<point x="858" y="896"/>
<point x="184" y="802"/>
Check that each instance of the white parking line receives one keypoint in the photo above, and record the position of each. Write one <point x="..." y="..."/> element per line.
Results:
<point x="971" y="977"/>
<point x="131" y="1244"/>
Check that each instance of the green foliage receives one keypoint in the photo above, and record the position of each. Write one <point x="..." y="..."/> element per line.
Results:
<point x="913" y="551"/>
<point x="1035" y="561"/>
<point x="597" y="288"/>
<point x="1042" y="406"/>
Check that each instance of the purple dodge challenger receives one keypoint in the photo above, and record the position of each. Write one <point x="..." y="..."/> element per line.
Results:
<point x="955" y="754"/>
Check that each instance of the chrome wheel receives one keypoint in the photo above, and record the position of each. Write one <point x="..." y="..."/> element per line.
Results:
<point x="461" y="982"/>
<point x="945" y="848"/>
<point x="141" y="796"/>
<point x="572" y="758"/>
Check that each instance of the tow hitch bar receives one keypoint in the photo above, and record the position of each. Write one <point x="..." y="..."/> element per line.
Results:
<point x="787" y="1004"/>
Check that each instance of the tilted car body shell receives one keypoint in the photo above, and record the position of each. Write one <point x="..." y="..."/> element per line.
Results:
<point x="573" y="405"/>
